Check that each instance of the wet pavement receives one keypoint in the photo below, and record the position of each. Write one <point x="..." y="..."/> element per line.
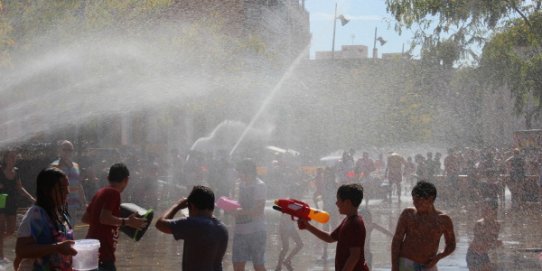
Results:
<point x="520" y="231"/>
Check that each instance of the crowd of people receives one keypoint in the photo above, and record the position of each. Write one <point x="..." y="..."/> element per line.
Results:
<point x="469" y="172"/>
<point x="69" y="193"/>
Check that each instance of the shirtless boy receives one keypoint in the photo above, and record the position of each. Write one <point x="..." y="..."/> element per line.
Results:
<point x="486" y="237"/>
<point x="415" y="244"/>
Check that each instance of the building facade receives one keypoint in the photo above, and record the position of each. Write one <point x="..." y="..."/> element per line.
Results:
<point x="346" y="52"/>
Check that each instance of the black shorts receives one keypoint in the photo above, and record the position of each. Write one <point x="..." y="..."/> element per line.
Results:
<point x="10" y="208"/>
<point x="107" y="266"/>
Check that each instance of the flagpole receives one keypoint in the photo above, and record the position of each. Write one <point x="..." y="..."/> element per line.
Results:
<point x="374" y="44"/>
<point x="334" y="27"/>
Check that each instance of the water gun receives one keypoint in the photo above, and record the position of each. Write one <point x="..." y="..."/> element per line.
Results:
<point x="299" y="209"/>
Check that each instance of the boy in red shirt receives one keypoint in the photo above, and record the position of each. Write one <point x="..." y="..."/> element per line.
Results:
<point x="350" y="234"/>
<point x="103" y="216"/>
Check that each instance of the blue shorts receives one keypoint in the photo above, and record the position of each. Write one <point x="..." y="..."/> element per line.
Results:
<point x="249" y="247"/>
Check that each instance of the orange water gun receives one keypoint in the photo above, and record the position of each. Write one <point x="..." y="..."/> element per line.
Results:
<point x="300" y="209"/>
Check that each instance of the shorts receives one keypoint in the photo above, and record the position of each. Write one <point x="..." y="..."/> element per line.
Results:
<point x="8" y="210"/>
<point x="475" y="259"/>
<point x="249" y="247"/>
<point x="395" y="178"/>
<point x="409" y="265"/>
<point x="107" y="266"/>
<point x="11" y="206"/>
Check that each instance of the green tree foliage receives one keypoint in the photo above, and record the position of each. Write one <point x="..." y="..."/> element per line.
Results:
<point x="443" y="53"/>
<point x="204" y="41"/>
<point x="447" y="30"/>
<point x="513" y="58"/>
<point x="464" y="107"/>
<point x="6" y="41"/>
<point x="61" y="19"/>
<point x="465" y="22"/>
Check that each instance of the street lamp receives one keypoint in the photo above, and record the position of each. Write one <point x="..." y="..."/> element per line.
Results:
<point x="344" y="21"/>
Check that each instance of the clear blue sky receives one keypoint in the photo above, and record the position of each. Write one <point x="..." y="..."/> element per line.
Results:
<point x="364" y="16"/>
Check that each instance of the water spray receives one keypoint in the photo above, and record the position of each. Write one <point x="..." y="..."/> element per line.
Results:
<point x="269" y="97"/>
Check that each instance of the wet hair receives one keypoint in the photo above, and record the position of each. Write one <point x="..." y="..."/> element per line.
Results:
<point x="247" y="166"/>
<point x="424" y="189"/>
<point x="202" y="197"/>
<point x="352" y="192"/>
<point x="47" y="181"/>
<point x="117" y="173"/>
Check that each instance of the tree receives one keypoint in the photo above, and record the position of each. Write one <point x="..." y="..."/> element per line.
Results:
<point x="62" y="20"/>
<point x="444" y="53"/>
<point x="514" y="58"/>
<point x="511" y="29"/>
<point x="6" y="41"/>
<point x="466" y="22"/>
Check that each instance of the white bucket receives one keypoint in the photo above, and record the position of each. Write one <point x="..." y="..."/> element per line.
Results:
<point x="87" y="254"/>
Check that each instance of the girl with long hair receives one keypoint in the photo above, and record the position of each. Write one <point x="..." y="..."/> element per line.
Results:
<point x="45" y="236"/>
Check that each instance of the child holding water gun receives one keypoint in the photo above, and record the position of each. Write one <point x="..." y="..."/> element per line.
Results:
<point x="350" y="234"/>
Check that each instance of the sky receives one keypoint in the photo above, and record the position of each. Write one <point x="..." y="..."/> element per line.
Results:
<point x="364" y="16"/>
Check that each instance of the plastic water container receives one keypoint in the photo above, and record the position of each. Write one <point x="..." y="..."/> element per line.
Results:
<point x="126" y="210"/>
<point x="227" y="204"/>
<point x="87" y="254"/>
